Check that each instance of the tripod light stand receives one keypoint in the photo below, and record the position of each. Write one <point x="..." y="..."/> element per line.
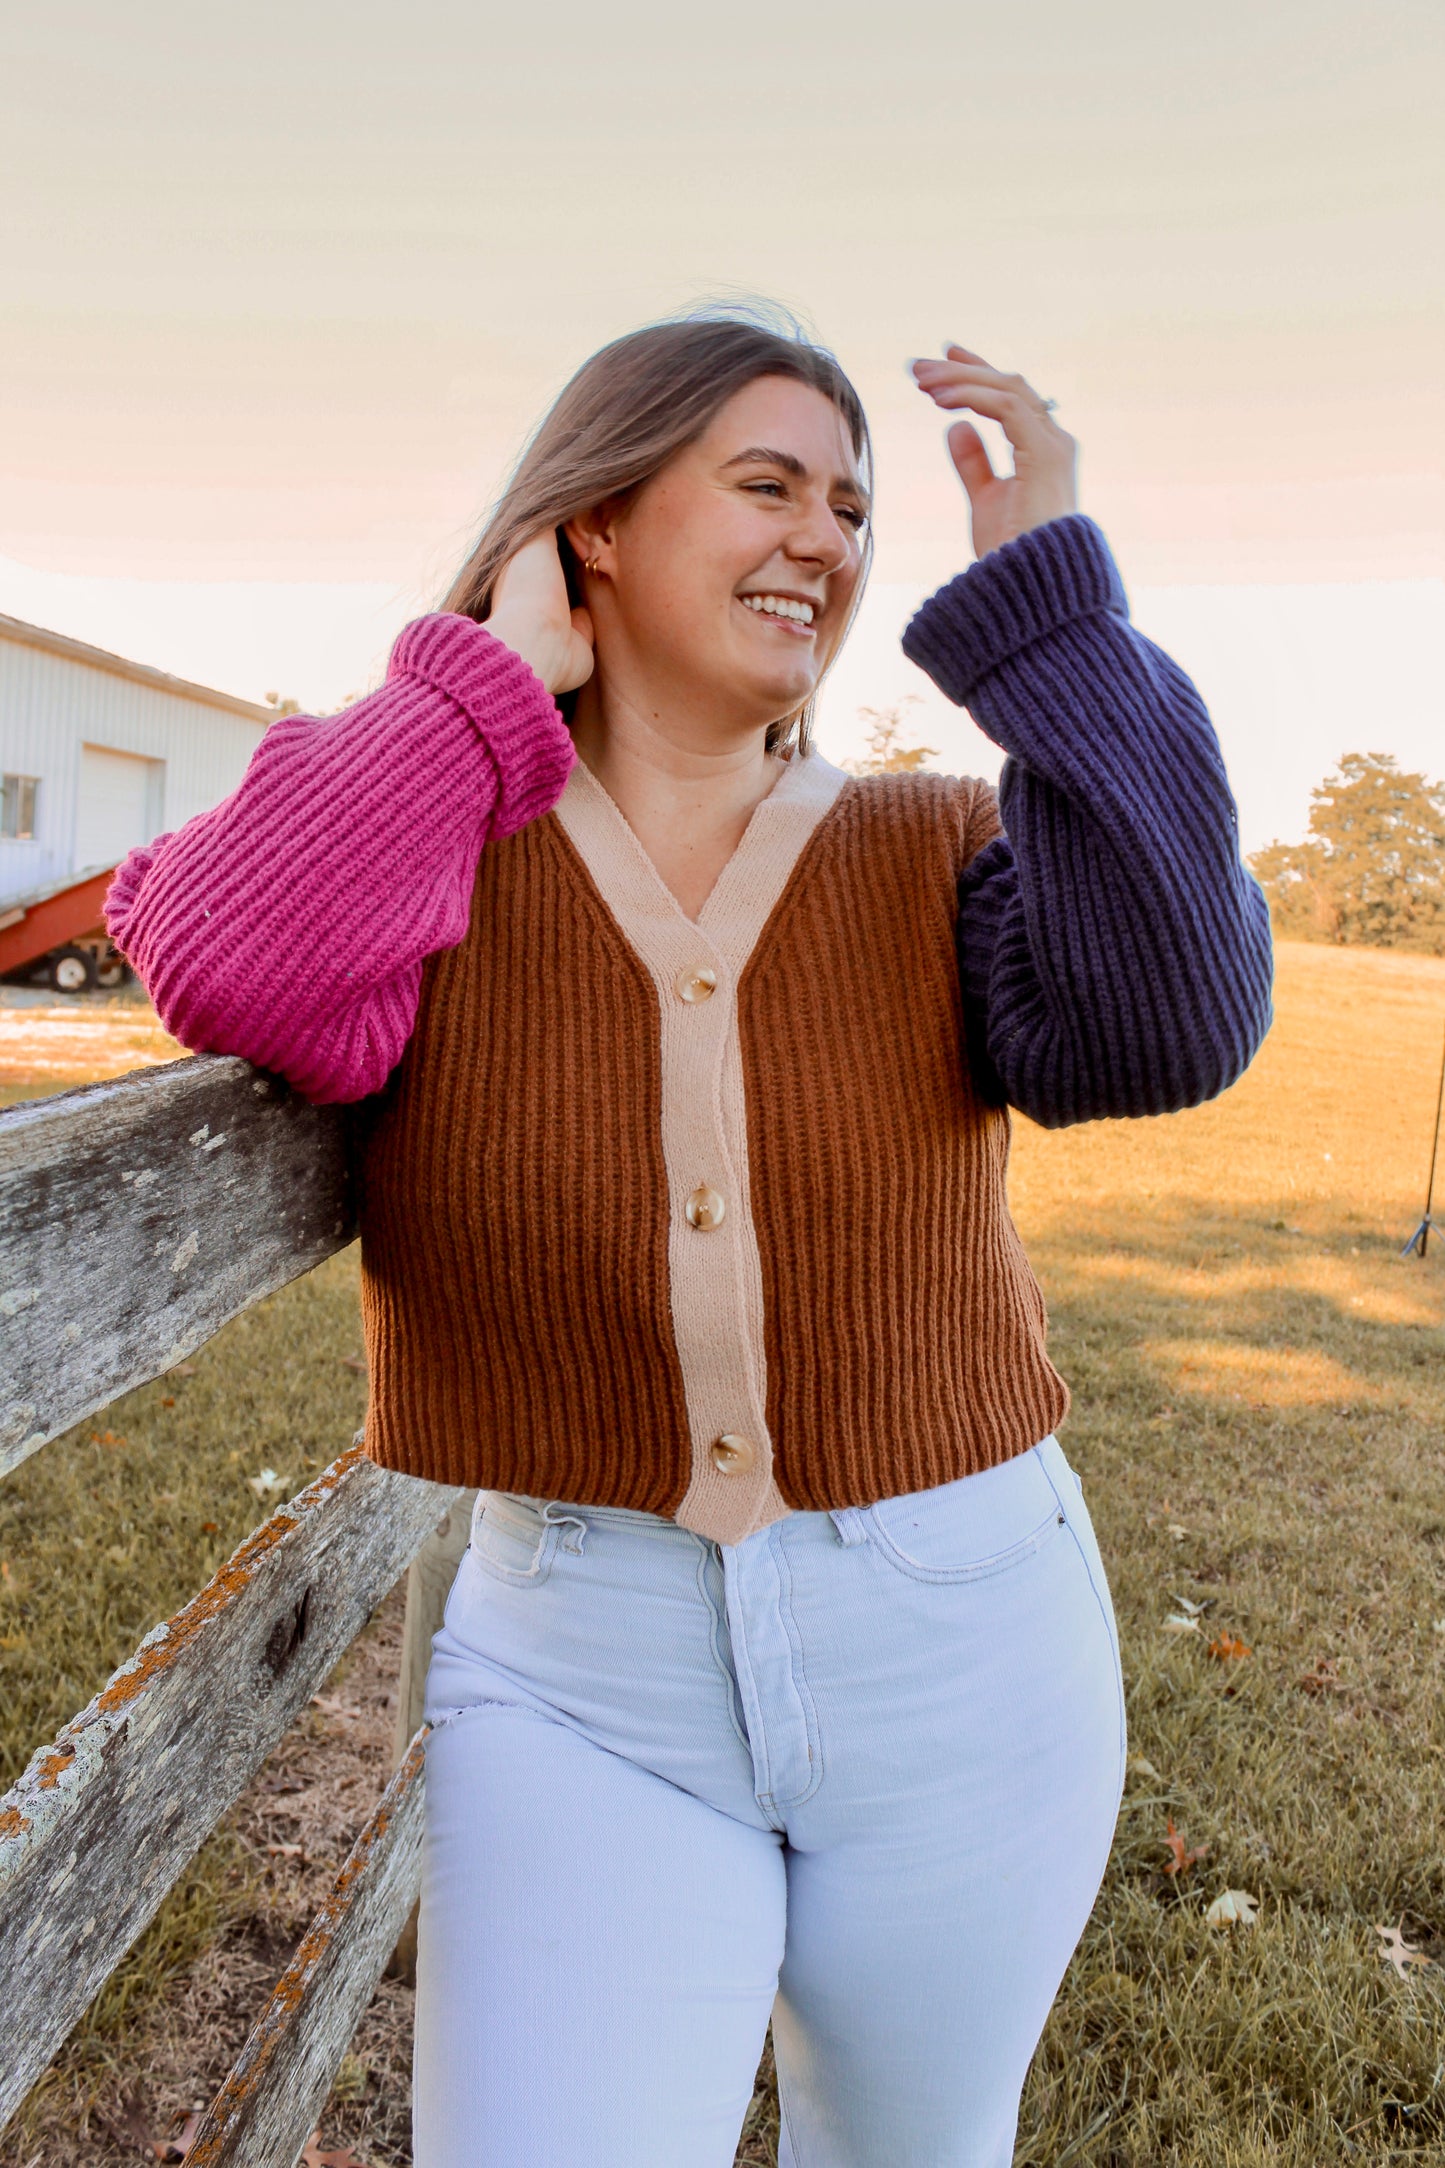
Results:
<point x="1421" y="1235"/>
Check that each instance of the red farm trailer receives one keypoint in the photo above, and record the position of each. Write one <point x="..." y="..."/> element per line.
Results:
<point x="60" y="926"/>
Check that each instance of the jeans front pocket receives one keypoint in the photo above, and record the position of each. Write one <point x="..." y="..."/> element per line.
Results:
<point x="966" y="1530"/>
<point x="513" y="1540"/>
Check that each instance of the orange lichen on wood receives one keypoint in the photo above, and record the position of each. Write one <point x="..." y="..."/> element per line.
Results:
<point x="290" y="1989"/>
<point x="154" y="1657"/>
<point x="89" y="1795"/>
<point x="322" y="1990"/>
<point x="50" y="1771"/>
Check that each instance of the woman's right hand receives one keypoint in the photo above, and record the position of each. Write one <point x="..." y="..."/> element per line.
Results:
<point x="531" y="613"/>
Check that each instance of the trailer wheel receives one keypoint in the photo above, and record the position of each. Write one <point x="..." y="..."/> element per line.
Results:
<point x="112" y="970"/>
<point x="70" y="970"/>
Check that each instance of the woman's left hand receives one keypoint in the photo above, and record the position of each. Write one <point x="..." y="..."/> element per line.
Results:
<point x="1041" y="486"/>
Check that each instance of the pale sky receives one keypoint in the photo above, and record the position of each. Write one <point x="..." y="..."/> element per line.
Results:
<point x="285" y="288"/>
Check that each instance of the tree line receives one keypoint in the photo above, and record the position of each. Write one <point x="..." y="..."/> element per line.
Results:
<point x="1371" y="871"/>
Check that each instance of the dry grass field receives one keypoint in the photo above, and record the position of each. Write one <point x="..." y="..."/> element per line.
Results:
<point x="50" y="1041"/>
<point x="1259" y="1419"/>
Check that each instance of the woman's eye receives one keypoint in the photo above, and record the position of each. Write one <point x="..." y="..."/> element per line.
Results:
<point x="765" y="485"/>
<point x="854" y="517"/>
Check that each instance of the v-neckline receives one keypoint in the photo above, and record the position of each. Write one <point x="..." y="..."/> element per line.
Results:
<point x="807" y="787"/>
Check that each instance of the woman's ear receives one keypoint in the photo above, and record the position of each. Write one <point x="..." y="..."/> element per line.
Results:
<point x="589" y="534"/>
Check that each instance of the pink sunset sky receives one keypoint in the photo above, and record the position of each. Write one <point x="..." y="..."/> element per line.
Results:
<point x="287" y="286"/>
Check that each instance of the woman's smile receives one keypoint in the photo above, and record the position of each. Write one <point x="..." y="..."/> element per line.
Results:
<point x="842" y="1000"/>
<point x="790" y="614"/>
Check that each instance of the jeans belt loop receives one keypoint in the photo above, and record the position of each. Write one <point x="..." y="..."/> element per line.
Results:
<point x="559" y="1520"/>
<point x="848" y="1520"/>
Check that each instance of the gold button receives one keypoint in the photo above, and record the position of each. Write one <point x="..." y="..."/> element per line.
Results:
<point x="697" y="983"/>
<point x="734" y="1454"/>
<point x="705" y="1209"/>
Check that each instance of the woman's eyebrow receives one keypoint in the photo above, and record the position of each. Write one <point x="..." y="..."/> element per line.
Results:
<point x="766" y="455"/>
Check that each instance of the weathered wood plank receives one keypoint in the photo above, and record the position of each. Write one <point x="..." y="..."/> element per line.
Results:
<point x="429" y="1581"/>
<point x="102" y="1821"/>
<point x="268" y="2106"/>
<point x="136" y="1216"/>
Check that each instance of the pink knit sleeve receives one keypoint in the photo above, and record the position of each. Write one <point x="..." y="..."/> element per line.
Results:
<point x="290" y="923"/>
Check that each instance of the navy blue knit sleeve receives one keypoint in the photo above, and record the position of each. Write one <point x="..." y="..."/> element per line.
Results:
<point x="1115" y="951"/>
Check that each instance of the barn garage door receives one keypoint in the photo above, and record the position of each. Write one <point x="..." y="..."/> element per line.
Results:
<point x="120" y="805"/>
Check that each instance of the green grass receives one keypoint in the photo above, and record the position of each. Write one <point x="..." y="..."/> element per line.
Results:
<point x="114" y="1526"/>
<point x="1251" y="1364"/>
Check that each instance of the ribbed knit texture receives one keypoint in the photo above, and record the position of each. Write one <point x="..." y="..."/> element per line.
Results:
<point x="905" y="1330"/>
<point x="514" y="1220"/>
<point x="1106" y="955"/>
<point x="290" y="923"/>
<point x="1115" y="950"/>
<point x="516" y="1215"/>
<point x="716" y="1280"/>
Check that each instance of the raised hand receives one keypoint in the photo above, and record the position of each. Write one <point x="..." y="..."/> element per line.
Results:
<point x="532" y="613"/>
<point x="1041" y="486"/>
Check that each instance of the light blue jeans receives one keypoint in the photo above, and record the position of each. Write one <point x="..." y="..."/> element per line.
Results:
<point x="860" y="1772"/>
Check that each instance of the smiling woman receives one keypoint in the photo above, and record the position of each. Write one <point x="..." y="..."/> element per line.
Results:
<point x="783" y="1649"/>
<point x="626" y="417"/>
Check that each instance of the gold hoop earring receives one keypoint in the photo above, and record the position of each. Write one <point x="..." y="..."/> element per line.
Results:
<point x="591" y="565"/>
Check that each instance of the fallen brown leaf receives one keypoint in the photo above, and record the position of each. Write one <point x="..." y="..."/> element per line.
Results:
<point x="1181" y="1859"/>
<point x="178" y="2147"/>
<point x="1225" y="1646"/>
<point x="1401" y="1954"/>
<point x="313" y="2157"/>
<point x="1324" y="1679"/>
<point x="134" y="2129"/>
<point x="1232" y="1908"/>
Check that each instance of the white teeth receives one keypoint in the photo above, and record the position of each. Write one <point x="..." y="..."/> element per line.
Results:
<point x="779" y="606"/>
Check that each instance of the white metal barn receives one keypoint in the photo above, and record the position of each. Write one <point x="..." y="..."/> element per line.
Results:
<point x="99" y="754"/>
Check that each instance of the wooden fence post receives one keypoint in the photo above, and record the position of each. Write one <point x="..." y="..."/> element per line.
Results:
<point x="428" y="1584"/>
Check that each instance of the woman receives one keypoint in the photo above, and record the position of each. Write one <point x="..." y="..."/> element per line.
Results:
<point x="781" y="1675"/>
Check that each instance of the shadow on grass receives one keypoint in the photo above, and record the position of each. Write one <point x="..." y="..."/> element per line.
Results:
<point x="1259" y="1407"/>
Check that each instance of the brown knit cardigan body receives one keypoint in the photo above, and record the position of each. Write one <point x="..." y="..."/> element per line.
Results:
<point x="515" y="1205"/>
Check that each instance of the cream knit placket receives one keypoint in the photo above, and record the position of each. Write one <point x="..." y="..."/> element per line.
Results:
<point x="716" y="1284"/>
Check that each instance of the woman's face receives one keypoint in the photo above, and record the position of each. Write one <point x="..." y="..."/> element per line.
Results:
<point x="728" y="577"/>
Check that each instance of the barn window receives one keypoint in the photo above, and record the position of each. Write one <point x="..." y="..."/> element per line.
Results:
<point x="17" y="817"/>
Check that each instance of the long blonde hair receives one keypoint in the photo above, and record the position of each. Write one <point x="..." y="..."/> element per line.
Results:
<point x="624" y="414"/>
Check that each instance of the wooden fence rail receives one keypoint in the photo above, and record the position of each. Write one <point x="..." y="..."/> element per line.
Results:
<point x="136" y="1218"/>
<point x="279" y="2085"/>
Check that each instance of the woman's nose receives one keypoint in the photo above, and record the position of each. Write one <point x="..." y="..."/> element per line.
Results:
<point x="822" y="539"/>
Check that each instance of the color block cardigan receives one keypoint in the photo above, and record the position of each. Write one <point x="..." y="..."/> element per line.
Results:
<point x="709" y="1218"/>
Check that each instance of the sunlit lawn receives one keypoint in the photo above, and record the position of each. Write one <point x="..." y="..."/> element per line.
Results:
<point x="1259" y="1418"/>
